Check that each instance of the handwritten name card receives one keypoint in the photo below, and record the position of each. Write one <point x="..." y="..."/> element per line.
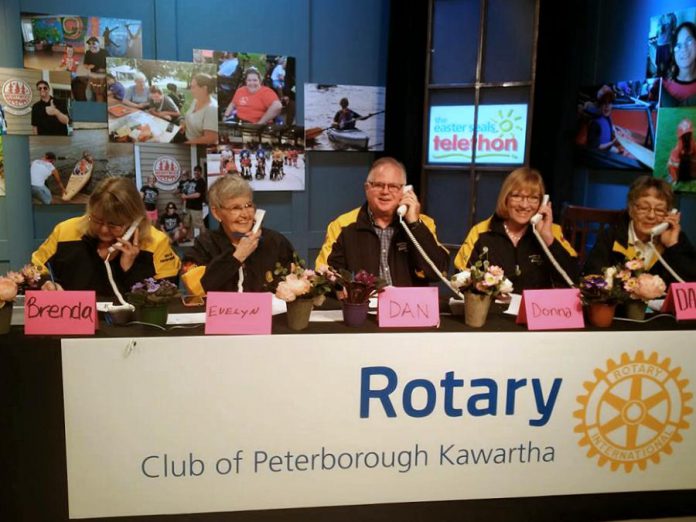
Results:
<point x="557" y="309"/>
<point x="681" y="299"/>
<point x="408" y="307"/>
<point x="238" y="313"/>
<point x="60" y="313"/>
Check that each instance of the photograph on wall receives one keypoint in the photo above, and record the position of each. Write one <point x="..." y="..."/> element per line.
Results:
<point x="66" y="172"/>
<point x="3" y="122"/>
<point x="344" y="117"/>
<point x="174" y="188"/>
<point x="154" y="101"/>
<point x="672" y="56"/>
<point x="79" y="45"/>
<point x="256" y="94"/>
<point x="267" y="164"/>
<point x="616" y="125"/>
<point x="36" y="102"/>
<point x="675" y="153"/>
<point x="2" y="170"/>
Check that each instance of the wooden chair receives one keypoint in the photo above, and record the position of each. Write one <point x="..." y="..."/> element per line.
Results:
<point x="582" y="224"/>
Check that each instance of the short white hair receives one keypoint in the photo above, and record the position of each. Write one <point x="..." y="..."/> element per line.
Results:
<point x="387" y="160"/>
<point x="140" y="76"/>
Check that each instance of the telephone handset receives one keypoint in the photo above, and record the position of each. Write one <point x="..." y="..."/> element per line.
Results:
<point x="401" y="211"/>
<point x="258" y="218"/>
<point x="129" y="233"/>
<point x="657" y="230"/>
<point x="538" y="217"/>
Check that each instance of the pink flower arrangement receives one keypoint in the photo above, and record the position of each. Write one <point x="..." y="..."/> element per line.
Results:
<point x="299" y="282"/>
<point x="638" y="284"/>
<point x="483" y="278"/>
<point x="13" y="283"/>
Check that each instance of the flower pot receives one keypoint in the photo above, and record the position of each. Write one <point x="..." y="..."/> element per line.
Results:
<point x="156" y="315"/>
<point x="299" y="311"/>
<point x="601" y="314"/>
<point x="354" y="314"/>
<point x="635" y="309"/>
<point x="476" y="309"/>
<point x="5" y="318"/>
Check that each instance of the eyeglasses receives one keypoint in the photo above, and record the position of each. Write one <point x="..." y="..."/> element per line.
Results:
<point x="645" y="210"/>
<point x="391" y="187"/>
<point x="519" y="198"/>
<point x="238" y="209"/>
<point x="113" y="227"/>
<point x="689" y="42"/>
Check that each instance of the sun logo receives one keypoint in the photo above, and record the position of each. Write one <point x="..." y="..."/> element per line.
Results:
<point x="507" y="123"/>
<point x="633" y="411"/>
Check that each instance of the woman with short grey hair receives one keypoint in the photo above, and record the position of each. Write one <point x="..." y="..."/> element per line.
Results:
<point x="233" y="257"/>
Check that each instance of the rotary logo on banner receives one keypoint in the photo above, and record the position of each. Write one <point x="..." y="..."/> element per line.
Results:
<point x="633" y="411"/>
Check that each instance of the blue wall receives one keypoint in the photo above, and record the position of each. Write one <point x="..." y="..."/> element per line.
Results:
<point x="305" y="29"/>
<point x="615" y="48"/>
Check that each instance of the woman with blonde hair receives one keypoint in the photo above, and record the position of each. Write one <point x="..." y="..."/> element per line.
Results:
<point x="75" y="251"/>
<point x="507" y="240"/>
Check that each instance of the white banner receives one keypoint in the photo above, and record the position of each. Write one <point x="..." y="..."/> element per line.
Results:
<point x="201" y="424"/>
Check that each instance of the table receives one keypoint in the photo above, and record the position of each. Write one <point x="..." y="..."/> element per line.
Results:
<point x="162" y="130"/>
<point x="32" y="439"/>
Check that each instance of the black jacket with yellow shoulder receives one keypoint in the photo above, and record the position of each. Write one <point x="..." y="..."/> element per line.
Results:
<point x="76" y="265"/>
<point x="612" y="248"/>
<point x="210" y="265"/>
<point x="525" y="265"/>
<point x="352" y="243"/>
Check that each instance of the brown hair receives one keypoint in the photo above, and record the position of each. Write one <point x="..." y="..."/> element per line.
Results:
<point x="117" y="200"/>
<point x="518" y="179"/>
<point x="205" y="80"/>
<point x="643" y="184"/>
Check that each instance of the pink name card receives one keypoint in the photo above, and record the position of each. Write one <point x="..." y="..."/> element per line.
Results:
<point x="557" y="309"/>
<point x="681" y="299"/>
<point x="60" y="312"/>
<point x="408" y="307"/>
<point x="238" y="313"/>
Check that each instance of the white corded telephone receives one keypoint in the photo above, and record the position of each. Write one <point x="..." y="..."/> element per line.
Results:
<point x="536" y="218"/>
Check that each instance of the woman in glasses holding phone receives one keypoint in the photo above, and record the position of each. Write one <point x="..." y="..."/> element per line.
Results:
<point x="506" y="239"/>
<point x="75" y="251"/>
<point x="650" y="202"/>
<point x="235" y="257"/>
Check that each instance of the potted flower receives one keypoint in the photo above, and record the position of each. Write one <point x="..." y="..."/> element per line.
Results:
<point x="355" y="291"/>
<point x="301" y="288"/>
<point x="151" y="299"/>
<point x="12" y="288"/>
<point x="600" y="295"/>
<point x="8" y="292"/>
<point x="639" y="287"/>
<point x="480" y="283"/>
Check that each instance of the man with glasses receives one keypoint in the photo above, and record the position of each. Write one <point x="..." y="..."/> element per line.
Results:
<point x="371" y="237"/>
<point x="48" y="115"/>
<point x="95" y="61"/>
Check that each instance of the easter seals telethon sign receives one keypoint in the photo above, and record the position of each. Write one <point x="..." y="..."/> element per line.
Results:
<point x="228" y="423"/>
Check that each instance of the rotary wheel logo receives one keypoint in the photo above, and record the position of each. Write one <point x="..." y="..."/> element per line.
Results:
<point x="633" y="411"/>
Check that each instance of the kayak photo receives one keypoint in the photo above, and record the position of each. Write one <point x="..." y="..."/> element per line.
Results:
<point x="344" y="117"/>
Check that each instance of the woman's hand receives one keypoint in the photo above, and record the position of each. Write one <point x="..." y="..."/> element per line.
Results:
<point x="544" y="226"/>
<point x="670" y="237"/>
<point x="246" y="246"/>
<point x="128" y="250"/>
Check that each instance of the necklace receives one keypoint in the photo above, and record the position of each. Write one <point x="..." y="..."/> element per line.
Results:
<point x="514" y="237"/>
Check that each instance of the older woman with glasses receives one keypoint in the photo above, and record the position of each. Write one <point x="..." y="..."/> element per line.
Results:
<point x="233" y="258"/>
<point x="75" y="251"/>
<point x="507" y="240"/>
<point x="650" y="201"/>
